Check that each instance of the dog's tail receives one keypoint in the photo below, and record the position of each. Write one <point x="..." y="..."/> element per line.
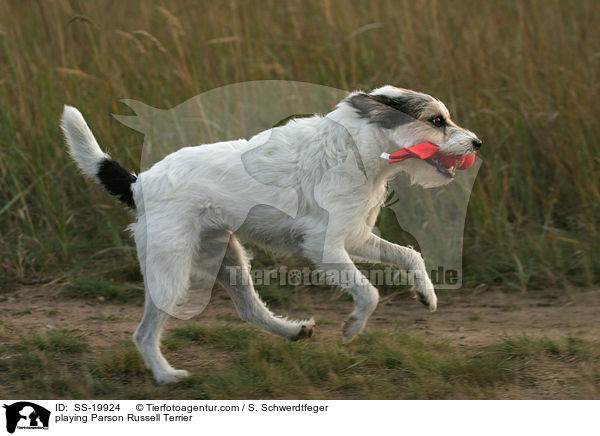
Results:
<point x="92" y="161"/>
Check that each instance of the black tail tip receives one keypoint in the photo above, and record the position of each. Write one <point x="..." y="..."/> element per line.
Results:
<point x="117" y="180"/>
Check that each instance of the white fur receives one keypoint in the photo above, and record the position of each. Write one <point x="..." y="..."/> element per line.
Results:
<point x="82" y="145"/>
<point x="189" y="203"/>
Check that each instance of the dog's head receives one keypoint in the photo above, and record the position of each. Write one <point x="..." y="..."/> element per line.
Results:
<point x="398" y="118"/>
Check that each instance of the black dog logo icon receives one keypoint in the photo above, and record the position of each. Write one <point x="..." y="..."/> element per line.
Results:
<point x="26" y="415"/>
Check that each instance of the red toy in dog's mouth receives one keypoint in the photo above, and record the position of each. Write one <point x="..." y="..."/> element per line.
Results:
<point x="446" y="164"/>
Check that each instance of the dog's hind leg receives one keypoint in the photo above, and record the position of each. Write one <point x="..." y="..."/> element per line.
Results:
<point x="165" y="261"/>
<point x="147" y="340"/>
<point x="234" y="275"/>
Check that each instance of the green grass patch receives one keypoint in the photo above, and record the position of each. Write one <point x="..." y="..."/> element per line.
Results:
<point x="377" y="365"/>
<point x="122" y="361"/>
<point x="225" y="336"/>
<point x="55" y="341"/>
<point x="523" y="347"/>
<point x="23" y="312"/>
<point x="103" y="290"/>
<point x="380" y="365"/>
<point x="25" y="365"/>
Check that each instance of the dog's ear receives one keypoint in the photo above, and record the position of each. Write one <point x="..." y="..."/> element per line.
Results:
<point x="384" y="111"/>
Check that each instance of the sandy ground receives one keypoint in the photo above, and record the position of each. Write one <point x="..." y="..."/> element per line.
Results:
<point x="468" y="319"/>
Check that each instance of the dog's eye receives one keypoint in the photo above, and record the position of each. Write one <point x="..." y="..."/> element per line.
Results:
<point x="438" y="122"/>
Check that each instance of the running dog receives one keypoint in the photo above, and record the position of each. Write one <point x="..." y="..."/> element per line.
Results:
<point x="193" y="199"/>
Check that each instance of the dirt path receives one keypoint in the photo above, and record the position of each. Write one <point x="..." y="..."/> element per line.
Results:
<point x="466" y="319"/>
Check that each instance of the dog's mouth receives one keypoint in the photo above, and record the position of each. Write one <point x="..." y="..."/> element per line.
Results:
<point x="445" y="164"/>
<point x="445" y="171"/>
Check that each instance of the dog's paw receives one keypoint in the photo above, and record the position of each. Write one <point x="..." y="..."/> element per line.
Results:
<point x="172" y="376"/>
<point x="352" y="327"/>
<point x="305" y="331"/>
<point x="427" y="297"/>
<point x="429" y="301"/>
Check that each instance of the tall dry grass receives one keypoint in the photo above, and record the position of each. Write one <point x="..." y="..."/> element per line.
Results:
<point x="523" y="75"/>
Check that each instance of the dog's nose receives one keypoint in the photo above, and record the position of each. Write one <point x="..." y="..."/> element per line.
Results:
<point x="477" y="144"/>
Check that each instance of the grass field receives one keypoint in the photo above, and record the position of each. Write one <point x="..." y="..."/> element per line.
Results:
<point x="523" y="75"/>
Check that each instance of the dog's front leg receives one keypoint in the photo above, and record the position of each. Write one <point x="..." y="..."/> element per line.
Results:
<point x="340" y="270"/>
<point x="378" y="250"/>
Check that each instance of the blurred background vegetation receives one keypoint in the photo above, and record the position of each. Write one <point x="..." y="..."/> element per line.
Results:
<point x="524" y="75"/>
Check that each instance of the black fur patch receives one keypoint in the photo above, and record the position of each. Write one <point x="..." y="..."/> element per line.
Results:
<point x="117" y="180"/>
<point x="389" y="112"/>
